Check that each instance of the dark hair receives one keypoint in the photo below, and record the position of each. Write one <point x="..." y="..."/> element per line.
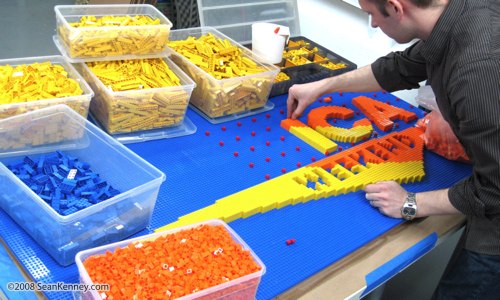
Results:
<point x="418" y="3"/>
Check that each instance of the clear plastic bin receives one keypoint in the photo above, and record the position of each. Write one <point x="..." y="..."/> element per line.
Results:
<point x="78" y="103"/>
<point x="110" y="42"/>
<point x="242" y="288"/>
<point x="234" y="18"/>
<point x="140" y="110"/>
<point x="219" y="98"/>
<point x="105" y="222"/>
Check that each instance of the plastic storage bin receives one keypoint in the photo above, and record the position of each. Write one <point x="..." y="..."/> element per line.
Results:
<point x="243" y="288"/>
<point x="110" y="42"/>
<point x="225" y="97"/>
<point x="78" y="103"/>
<point x="139" y="110"/>
<point x="315" y="69"/>
<point x="58" y="128"/>
<point x="234" y="18"/>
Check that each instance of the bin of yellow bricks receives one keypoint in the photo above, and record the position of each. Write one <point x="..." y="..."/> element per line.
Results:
<point x="229" y="78"/>
<point x="138" y="95"/>
<point x="31" y="83"/>
<point x="110" y="32"/>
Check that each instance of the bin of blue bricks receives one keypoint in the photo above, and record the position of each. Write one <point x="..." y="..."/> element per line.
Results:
<point x="71" y="186"/>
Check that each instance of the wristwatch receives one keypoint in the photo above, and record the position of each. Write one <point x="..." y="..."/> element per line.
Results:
<point x="409" y="209"/>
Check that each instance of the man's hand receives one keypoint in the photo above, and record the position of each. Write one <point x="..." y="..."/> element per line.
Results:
<point x="300" y="96"/>
<point x="387" y="196"/>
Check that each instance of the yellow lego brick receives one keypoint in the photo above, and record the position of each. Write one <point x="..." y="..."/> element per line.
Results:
<point x="315" y="139"/>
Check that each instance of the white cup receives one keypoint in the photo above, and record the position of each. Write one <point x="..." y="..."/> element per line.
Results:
<point x="267" y="43"/>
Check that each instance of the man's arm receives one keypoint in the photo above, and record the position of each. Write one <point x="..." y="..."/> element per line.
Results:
<point x="300" y="96"/>
<point x="389" y="197"/>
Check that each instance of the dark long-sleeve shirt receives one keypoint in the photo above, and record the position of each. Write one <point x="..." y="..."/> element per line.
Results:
<point x="461" y="61"/>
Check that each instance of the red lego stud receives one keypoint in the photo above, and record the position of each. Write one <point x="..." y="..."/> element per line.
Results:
<point x="223" y="128"/>
<point x="290" y="242"/>
<point x="253" y="133"/>
<point x="268" y="143"/>
<point x="268" y="128"/>
<point x="252" y="148"/>
<point x="207" y="133"/>
<point x="268" y="159"/>
<point x="237" y="138"/>
<point x="341" y="94"/>
<point x="282" y="138"/>
<point x="297" y="148"/>
<point x="221" y="143"/>
<point x="254" y="120"/>
<point x="283" y="153"/>
<point x="388" y="102"/>
<point x="251" y="165"/>
<point x="268" y="116"/>
<point x="283" y="170"/>
<point x="327" y="153"/>
<point x="236" y="154"/>
<point x="375" y="95"/>
<point x="313" y="159"/>
<point x="340" y="148"/>
<point x="239" y="124"/>
<point x="268" y="176"/>
<point x="299" y="164"/>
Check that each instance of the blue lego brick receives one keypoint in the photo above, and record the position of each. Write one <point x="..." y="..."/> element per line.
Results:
<point x="29" y="161"/>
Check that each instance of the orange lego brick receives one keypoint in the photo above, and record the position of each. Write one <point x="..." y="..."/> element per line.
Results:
<point x="309" y="135"/>
<point x="287" y="123"/>
<point x="382" y="114"/>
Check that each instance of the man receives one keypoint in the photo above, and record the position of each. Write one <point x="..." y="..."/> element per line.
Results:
<point x="458" y="53"/>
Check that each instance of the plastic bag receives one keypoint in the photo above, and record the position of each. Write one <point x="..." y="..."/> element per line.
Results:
<point x="440" y="139"/>
<point x="438" y="136"/>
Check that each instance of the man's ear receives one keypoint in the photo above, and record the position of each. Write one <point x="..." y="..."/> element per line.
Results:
<point x="395" y="8"/>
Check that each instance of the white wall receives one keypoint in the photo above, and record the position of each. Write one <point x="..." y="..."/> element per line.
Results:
<point x="344" y="29"/>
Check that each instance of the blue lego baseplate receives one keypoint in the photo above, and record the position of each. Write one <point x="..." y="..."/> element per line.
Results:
<point x="202" y="168"/>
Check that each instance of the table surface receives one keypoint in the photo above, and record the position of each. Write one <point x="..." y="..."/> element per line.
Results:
<point x="334" y="235"/>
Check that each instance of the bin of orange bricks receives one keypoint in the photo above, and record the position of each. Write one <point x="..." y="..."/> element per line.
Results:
<point x="138" y="95"/>
<point x="207" y="260"/>
<point x="229" y="78"/>
<point x="32" y="83"/>
<point x="101" y="32"/>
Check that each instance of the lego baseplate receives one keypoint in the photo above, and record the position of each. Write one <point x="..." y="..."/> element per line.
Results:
<point x="220" y="160"/>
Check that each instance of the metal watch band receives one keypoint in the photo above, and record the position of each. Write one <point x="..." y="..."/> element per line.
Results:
<point x="409" y="209"/>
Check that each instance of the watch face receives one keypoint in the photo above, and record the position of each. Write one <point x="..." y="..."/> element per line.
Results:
<point x="409" y="211"/>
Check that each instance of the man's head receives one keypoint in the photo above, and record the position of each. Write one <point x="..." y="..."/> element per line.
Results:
<point x="403" y="20"/>
<point x="382" y="3"/>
